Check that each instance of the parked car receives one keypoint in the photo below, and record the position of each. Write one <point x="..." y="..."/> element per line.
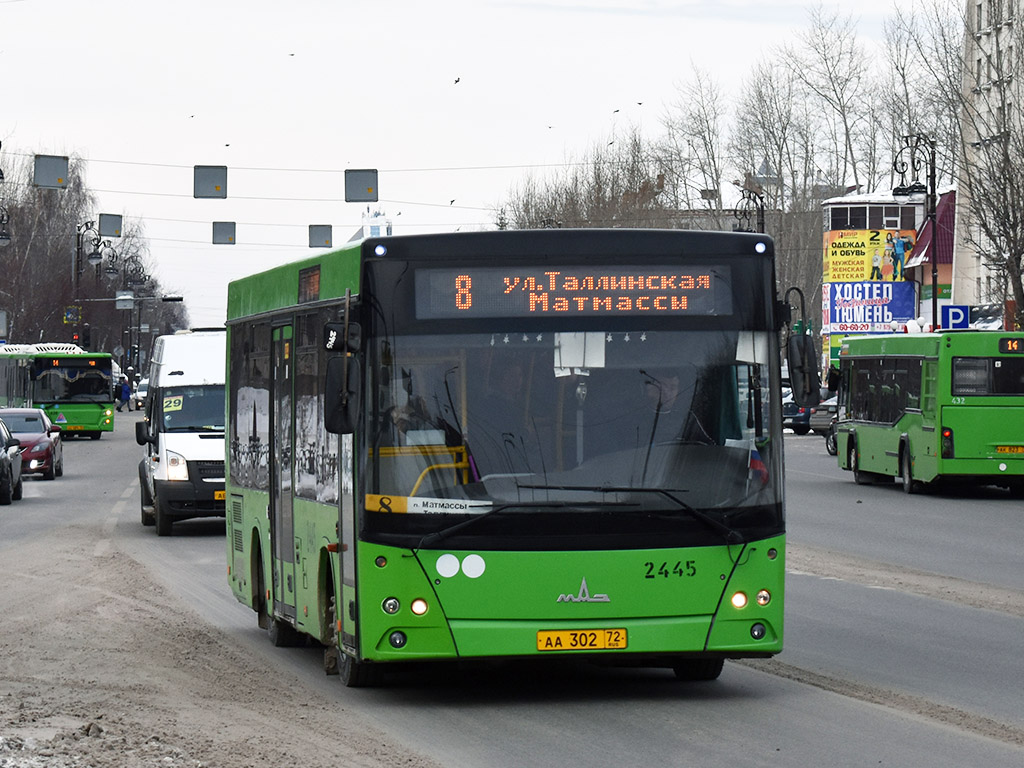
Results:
<point x="139" y="398"/>
<point x="821" y="415"/>
<point x="41" y="442"/>
<point x="10" y="466"/>
<point x="795" y="417"/>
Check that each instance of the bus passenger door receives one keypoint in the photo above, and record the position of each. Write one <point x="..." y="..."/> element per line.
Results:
<point x="282" y="438"/>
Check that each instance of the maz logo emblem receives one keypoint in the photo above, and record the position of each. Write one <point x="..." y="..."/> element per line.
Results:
<point x="583" y="596"/>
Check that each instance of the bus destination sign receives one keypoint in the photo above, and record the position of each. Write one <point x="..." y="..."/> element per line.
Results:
<point x="474" y="292"/>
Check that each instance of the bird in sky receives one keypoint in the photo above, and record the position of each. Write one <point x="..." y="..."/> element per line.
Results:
<point x="452" y="203"/>
<point x="457" y="80"/>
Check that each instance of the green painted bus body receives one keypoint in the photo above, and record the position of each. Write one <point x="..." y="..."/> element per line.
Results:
<point x="670" y="603"/>
<point x="987" y="429"/>
<point x="74" y="416"/>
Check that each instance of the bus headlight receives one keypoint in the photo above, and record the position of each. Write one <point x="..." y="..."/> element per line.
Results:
<point x="177" y="467"/>
<point x="418" y="606"/>
<point x="763" y="597"/>
<point x="390" y="605"/>
<point x="739" y="600"/>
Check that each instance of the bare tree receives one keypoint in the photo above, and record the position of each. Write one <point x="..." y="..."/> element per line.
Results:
<point x="975" y="62"/>
<point x="617" y="185"/>
<point x="693" y="149"/>
<point x="831" y="65"/>
<point x="45" y="271"/>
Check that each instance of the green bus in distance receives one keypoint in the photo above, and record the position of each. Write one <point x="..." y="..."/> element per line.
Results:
<point x="74" y="387"/>
<point x="512" y="445"/>
<point x="933" y="408"/>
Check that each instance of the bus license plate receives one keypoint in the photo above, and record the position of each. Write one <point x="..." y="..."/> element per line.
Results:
<point x="581" y="639"/>
<point x="219" y="495"/>
<point x="1010" y="449"/>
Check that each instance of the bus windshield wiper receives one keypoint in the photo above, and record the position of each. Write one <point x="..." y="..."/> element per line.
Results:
<point x="731" y="535"/>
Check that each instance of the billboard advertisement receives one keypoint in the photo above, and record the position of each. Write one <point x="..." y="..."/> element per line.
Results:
<point x="867" y="306"/>
<point x="867" y="254"/>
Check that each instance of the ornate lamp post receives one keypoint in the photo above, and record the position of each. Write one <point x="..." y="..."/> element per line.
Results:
<point x="919" y="150"/>
<point x="94" y="257"/>
<point x="751" y="199"/>
<point x="5" y="236"/>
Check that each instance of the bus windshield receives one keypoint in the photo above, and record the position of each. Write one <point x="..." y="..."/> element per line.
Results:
<point x="650" y="434"/>
<point x="72" y="381"/>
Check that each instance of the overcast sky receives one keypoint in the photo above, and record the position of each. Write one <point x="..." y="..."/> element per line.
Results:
<point x="449" y="100"/>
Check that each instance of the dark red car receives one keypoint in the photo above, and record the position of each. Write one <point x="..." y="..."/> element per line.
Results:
<point x="42" y="450"/>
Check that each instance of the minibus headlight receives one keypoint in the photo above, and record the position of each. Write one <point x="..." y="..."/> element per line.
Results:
<point x="177" y="467"/>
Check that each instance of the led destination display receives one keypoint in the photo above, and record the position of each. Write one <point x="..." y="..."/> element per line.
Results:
<point x="473" y="292"/>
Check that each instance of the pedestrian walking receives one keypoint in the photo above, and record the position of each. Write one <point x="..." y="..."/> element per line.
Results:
<point x="125" y="396"/>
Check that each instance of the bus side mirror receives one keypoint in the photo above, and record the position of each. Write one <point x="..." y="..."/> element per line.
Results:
<point x="334" y="337"/>
<point x="341" y="397"/>
<point x="803" y="370"/>
<point x="142" y="436"/>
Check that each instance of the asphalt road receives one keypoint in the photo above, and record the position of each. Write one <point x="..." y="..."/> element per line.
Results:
<point x="874" y="673"/>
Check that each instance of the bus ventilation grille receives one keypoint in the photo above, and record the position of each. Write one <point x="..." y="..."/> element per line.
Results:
<point x="236" y="524"/>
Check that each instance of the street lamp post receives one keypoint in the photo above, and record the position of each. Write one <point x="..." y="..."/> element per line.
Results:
<point x="94" y="257"/>
<point x="919" y="149"/>
<point x="751" y="196"/>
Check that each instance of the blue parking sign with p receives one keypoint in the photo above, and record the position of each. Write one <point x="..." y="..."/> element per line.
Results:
<point x="956" y="316"/>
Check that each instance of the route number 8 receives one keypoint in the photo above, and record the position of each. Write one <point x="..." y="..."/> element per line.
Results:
<point x="463" y="298"/>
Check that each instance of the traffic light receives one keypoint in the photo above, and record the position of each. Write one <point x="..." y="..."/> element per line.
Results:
<point x="86" y="337"/>
<point x="76" y="338"/>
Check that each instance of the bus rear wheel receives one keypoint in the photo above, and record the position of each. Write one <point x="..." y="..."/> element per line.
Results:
<point x="699" y="669"/>
<point x="283" y="635"/>
<point x="910" y="485"/>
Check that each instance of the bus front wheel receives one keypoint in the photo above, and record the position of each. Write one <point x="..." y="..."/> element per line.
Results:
<point x="853" y="462"/>
<point x="699" y="669"/>
<point x="355" y="674"/>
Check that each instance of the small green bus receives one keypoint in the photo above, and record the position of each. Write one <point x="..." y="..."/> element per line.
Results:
<point x="929" y="408"/>
<point x="74" y="387"/>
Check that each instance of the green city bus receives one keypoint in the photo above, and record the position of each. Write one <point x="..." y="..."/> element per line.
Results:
<point x="512" y="445"/>
<point x="74" y="387"/>
<point x="933" y="408"/>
